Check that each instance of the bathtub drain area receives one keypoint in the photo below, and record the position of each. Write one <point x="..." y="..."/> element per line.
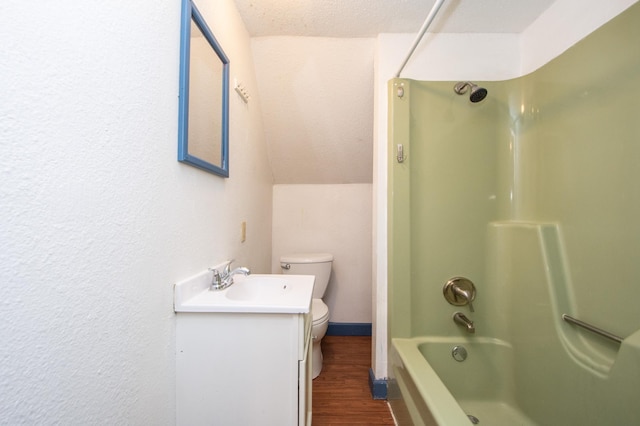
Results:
<point x="459" y="353"/>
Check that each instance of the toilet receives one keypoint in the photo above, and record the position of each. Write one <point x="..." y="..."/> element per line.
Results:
<point x="318" y="264"/>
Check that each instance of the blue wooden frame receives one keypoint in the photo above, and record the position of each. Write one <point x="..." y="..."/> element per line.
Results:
<point x="189" y="12"/>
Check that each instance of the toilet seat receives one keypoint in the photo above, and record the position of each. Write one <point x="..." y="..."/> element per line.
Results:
<point x="319" y="311"/>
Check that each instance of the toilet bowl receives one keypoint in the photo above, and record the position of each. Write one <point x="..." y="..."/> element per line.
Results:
<point x="319" y="265"/>
<point x="320" y="313"/>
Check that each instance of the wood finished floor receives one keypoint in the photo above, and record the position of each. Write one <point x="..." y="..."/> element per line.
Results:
<point x="341" y="394"/>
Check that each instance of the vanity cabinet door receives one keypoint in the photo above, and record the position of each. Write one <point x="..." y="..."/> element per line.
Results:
<point x="305" y="381"/>
<point x="239" y="369"/>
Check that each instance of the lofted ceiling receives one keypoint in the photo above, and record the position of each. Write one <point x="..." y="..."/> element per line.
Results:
<point x="314" y="68"/>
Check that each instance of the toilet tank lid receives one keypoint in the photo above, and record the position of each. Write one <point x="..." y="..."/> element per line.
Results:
<point x="306" y="258"/>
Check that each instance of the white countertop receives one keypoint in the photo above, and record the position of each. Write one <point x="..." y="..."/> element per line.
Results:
<point x="260" y="293"/>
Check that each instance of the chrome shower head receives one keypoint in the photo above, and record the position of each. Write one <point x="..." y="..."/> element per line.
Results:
<point x="477" y="93"/>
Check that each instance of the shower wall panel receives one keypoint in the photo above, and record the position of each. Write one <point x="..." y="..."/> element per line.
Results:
<point x="583" y="139"/>
<point x="560" y="145"/>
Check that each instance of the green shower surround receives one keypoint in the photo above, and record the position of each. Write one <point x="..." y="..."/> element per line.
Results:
<point x="534" y="195"/>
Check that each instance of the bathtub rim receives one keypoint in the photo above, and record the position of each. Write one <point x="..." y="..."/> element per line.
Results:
<point x="443" y="406"/>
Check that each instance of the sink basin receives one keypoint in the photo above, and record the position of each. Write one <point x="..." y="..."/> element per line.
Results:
<point x="259" y="288"/>
<point x="268" y="293"/>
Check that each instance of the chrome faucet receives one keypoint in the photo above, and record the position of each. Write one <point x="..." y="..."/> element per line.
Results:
<point x="227" y="278"/>
<point x="465" y="294"/>
<point x="220" y="281"/>
<point x="460" y="291"/>
<point x="460" y="319"/>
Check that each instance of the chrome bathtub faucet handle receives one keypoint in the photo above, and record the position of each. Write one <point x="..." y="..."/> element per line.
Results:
<point x="469" y="297"/>
<point x="466" y="295"/>
<point x="460" y="291"/>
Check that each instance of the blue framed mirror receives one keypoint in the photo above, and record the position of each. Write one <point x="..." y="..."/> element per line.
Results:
<point x="203" y="129"/>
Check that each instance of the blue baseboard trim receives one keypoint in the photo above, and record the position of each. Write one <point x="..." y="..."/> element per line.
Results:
<point x="378" y="386"/>
<point x="349" y="329"/>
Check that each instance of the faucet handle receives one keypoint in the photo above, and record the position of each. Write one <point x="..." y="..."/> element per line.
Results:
<point x="227" y="267"/>
<point x="460" y="291"/>
<point x="466" y="295"/>
<point x="216" y="279"/>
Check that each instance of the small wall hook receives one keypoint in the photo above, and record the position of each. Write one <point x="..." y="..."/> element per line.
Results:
<point x="242" y="91"/>
<point x="400" y="155"/>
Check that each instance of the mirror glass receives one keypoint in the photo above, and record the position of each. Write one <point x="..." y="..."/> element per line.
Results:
<point x="203" y="139"/>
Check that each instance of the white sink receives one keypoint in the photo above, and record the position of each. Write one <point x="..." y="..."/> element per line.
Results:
<point x="260" y="287"/>
<point x="264" y="293"/>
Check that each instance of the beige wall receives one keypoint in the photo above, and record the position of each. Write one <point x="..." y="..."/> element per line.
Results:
<point x="334" y="219"/>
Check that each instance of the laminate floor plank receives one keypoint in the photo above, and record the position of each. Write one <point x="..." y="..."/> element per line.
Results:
<point x="341" y="394"/>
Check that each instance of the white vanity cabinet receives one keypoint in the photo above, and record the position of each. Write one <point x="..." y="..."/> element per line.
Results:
<point x="243" y="368"/>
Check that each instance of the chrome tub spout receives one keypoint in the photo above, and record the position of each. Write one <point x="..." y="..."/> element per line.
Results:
<point x="460" y="319"/>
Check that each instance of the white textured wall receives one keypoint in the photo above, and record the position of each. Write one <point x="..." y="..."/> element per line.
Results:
<point x="334" y="219"/>
<point x="463" y="57"/>
<point x="97" y="218"/>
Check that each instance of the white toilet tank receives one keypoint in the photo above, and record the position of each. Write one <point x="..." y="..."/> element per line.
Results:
<point x="318" y="264"/>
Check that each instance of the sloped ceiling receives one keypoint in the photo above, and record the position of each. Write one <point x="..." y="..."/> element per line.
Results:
<point x="314" y="66"/>
<point x="317" y="106"/>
